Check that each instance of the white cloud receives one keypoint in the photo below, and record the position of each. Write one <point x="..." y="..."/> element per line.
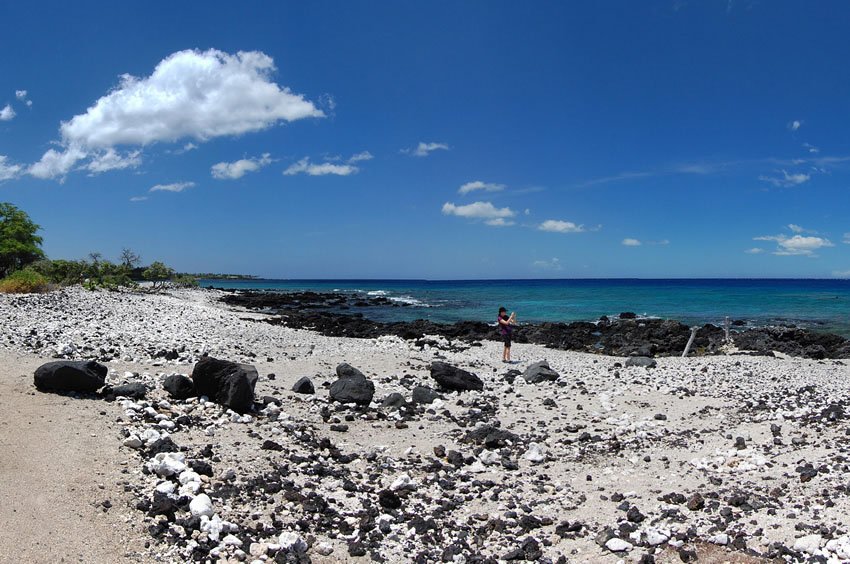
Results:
<point x="841" y="273"/>
<point x="7" y="113"/>
<point x="189" y="147"/>
<point x="425" y="149"/>
<point x="811" y="148"/>
<point x="479" y="185"/>
<point x="795" y="125"/>
<point x="629" y="242"/>
<point x="798" y="245"/>
<point x="552" y="264"/>
<point x="54" y="163"/>
<point x="795" y="228"/>
<point x="662" y="242"/>
<point x="238" y="169"/>
<point x="304" y="166"/>
<point x="8" y="171"/>
<point x="112" y="160"/>
<point x="500" y="222"/>
<point x="21" y="94"/>
<point x="480" y="210"/>
<point x="196" y="94"/>
<point x="173" y="187"/>
<point x="786" y="179"/>
<point x="754" y="251"/>
<point x="558" y="226"/>
<point x="846" y="239"/>
<point x="138" y="198"/>
<point x="363" y="156"/>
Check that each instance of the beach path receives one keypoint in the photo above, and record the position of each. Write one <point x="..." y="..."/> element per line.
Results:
<point x="59" y="462"/>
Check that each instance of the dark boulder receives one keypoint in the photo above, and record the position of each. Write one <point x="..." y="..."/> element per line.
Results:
<point x="352" y="386"/>
<point x="424" y="395"/>
<point x="393" y="401"/>
<point x="135" y="390"/>
<point x="179" y="387"/>
<point x="644" y="361"/>
<point x="455" y="379"/>
<point x="70" y="376"/>
<point x="303" y="386"/>
<point x="227" y="383"/>
<point x="540" y="372"/>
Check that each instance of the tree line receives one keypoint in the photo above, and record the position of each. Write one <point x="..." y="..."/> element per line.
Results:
<point x="25" y="268"/>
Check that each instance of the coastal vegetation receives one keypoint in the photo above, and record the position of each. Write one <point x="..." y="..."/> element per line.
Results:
<point x="25" y="268"/>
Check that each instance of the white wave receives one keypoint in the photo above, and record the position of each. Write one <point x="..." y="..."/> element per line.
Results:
<point x="409" y="300"/>
<point x="376" y="293"/>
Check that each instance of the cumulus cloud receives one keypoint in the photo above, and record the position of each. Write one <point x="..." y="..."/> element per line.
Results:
<point x="363" y="156"/>
<point x="110" y="159"/>
<point x="21" y="94"/>
<point x="797" y="245"/>
<point x="754" y="251"/>
<point x="786" y="179"/>
<point x="551" y="264"/>
<point x="8" y="171"/>
<point x="304" y="166"/>
<point x="192" y="94"/>
<point x="795" y="125"/>
<point x="558" y="226"/>
<point x="196" y="94"/>
<point x="629" y="242"/>
<point x="173" y="187"/>
<point x="425" y="149"/>
<point x="238" y="169"/>
<point x="496" y="217"/>
<point x="7" y="113"/>
<point x="500" y="222"/>
<point x="479" y="185"/>
<point x="55" y="163"/>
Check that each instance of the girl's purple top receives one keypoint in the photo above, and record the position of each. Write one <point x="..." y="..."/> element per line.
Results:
<point x="504" y="329"/>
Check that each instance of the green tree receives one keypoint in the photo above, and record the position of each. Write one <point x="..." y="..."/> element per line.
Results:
<point x="158" y="274"/>
<point x="19" y="244"/>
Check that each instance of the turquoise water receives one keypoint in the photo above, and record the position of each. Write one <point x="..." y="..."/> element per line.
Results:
<point x="822" y="305"/>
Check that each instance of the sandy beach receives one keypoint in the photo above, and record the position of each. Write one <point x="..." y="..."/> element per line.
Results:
<point x="727" y="458"/>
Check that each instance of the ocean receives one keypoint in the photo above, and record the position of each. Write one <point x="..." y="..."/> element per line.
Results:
<point x="820" y="305"/>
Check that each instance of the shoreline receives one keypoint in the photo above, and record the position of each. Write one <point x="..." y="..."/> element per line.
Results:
<point x="623" y="454"/>
<point x="341" y="314"/>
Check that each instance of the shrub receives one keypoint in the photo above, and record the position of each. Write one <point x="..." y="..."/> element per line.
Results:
<point x="24" y="282"/>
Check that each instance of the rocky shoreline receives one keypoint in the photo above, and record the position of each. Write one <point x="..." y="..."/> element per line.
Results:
<point x="427" y="449"/>
<point x="330" y="314"/>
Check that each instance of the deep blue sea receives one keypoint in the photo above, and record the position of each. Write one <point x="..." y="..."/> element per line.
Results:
<point x="822" y="305"/>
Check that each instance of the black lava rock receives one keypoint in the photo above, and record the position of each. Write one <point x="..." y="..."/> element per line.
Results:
<point x="179" y="387"/>
<point x="540" y="372"/>
<point x="352" y="386"/>
<point x="226" y="383"/>
<point x="70" y="376"/>
<point x="455" y="379"/>
<point x="424" y="395"/>
<point x="303" y="386"/>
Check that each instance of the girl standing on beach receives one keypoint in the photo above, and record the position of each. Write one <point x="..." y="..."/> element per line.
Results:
<point x="506" y="324"/>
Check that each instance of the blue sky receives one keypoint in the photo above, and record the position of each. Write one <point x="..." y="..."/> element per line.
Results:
<point x="437" y="140"/>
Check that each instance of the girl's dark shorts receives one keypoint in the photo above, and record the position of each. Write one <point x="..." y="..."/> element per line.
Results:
<point x="507" y="340"/>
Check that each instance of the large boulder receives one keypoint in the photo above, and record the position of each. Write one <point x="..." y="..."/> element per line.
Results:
<point x="304" y="386"/>
<point x="226" y="383"/>
<point x="454" y="379"/>
<point x="70" y="376"/>
<point x="540" y="372"/>
<point x="352" y="386"/>
<point x="424" y="395"/>
<point x="644" y="361"/>
<point x="179" y="387"/>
